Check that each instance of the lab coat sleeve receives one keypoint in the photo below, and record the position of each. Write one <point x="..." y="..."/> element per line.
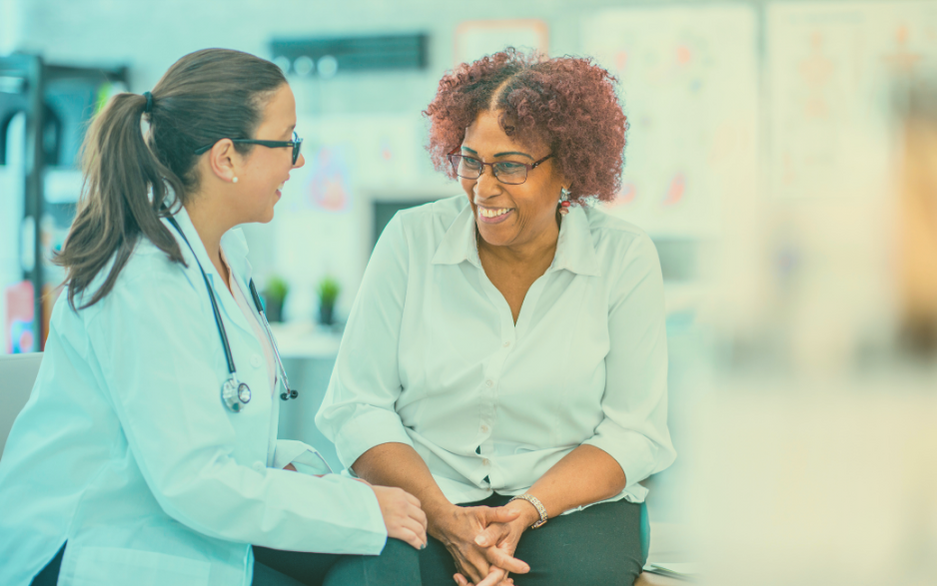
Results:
<point x="303" y="457"/>
<point x="358" y="410"/>
<point x="634" y="428"/>
<point x="159" y="357"/>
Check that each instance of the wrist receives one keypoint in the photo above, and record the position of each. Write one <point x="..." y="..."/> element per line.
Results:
<point x="528" y="513"/>
<point x="440" y="516"/>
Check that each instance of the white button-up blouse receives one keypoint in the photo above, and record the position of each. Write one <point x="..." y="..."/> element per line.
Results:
<point x="432" y="358"/>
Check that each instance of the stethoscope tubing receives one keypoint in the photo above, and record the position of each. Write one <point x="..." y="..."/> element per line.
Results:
<point x="289" y="393"/>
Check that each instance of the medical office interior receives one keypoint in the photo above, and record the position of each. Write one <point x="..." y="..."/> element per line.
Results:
<point x="781" y="155"/>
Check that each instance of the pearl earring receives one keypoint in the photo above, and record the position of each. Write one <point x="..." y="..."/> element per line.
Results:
<point x="235" y="180"/>
<point x="564" y="201"/>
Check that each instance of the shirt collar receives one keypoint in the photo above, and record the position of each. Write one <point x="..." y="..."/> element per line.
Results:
<point x="458" y="243"/>
<point x="575" y="251"/>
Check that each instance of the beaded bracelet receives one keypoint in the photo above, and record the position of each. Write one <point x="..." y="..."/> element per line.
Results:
<point x="537" y="504"/>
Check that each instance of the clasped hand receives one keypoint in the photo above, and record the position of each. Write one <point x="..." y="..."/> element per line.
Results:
<point x="482" y="541"/>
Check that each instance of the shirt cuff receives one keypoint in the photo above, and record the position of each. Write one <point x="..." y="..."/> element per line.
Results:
<point x="303" y="457"/>
<point x="632" y="452"/>
<point x="372" y="428"/>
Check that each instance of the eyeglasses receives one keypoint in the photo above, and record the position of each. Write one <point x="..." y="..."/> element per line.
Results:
<point x="296" y="143"/>
<point x="507" y="172"/>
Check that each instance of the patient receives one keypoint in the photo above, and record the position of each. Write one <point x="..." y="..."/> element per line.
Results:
<point x="505" y="360"/>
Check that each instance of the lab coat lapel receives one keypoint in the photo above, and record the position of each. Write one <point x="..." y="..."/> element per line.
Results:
<point x="235" y="252"/>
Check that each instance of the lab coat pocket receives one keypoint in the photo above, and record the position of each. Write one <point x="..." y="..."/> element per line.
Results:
<point x="107" y="566"/>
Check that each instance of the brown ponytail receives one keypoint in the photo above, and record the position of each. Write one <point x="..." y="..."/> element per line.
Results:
<point x="204" y="97"/>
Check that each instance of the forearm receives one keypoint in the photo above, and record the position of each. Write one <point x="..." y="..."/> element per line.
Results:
<point x="584" y="476"/>
<point x="396" y="464"/>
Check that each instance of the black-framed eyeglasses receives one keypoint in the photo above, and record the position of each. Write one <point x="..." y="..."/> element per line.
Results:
<point x="507" y="172"/>
<point x="295" y="144"/>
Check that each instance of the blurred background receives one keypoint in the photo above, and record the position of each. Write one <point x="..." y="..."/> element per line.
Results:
<point x="782" y="156"/>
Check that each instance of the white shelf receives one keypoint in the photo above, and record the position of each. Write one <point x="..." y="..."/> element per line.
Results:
<point x="306" y="340"/>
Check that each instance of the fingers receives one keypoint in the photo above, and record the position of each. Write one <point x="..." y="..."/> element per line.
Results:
<point x="460" y="580"/>
<point x="420" y="517"/>
<point x="471" y="564"/>
<point x="408" y="536"/>
<point x="415" y="527"/>
<point x="500" y="558"/>
<point x="500" y="515"/>
<point x="492" y="535"/>
<point x="403" y="517"/>
<point x="494" y="577"/>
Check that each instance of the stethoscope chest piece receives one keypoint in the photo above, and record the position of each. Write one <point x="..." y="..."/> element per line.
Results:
<point x="235" y="394"/>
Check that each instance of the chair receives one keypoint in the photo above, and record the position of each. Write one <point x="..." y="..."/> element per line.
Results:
<point x="17" y="376"/>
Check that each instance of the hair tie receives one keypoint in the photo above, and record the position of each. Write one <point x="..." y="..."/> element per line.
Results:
<point x="149" y="102"/>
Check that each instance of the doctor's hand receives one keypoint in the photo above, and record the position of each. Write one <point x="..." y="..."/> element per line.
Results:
<point x="403" y="517"/>
<point x="457" y="527"/>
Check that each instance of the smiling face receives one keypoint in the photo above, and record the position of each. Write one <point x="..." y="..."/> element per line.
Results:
<point x="516" y="216"/>
<point x="262" y="173"/>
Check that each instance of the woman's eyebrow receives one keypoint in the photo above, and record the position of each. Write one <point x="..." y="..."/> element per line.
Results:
<point x="514" y="153"/>
<point x="501" y="154"/>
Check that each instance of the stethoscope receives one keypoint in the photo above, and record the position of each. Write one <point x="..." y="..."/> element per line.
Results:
<point x="234" y="393"/>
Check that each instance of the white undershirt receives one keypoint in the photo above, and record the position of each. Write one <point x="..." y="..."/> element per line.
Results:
<point x="254" y="320"/>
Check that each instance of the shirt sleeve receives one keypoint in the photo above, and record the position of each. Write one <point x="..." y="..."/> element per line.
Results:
<point x="358" y="411"/>
<point x="634" y="428"/>
<point x="155" y="354"/>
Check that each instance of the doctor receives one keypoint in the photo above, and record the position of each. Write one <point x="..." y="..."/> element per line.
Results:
<point x="147" y="453"/>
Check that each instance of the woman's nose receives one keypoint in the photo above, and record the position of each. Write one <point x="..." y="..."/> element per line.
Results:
<point x="487" y="184"/>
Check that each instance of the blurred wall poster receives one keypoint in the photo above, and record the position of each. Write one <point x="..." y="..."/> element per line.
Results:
<point x="20" y="313"/>
<point x="689" y="84"/>
<point x="322" y="226"/>
<point x="831" y="68"/>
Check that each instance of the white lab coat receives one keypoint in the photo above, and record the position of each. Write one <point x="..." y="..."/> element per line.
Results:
<point x="126" y="451"/>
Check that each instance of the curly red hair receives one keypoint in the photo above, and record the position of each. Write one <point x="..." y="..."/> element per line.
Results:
<point x="568" y="103"/>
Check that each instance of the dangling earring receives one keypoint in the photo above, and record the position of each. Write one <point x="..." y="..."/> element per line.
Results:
<point x="564" y="202"/>
<point x="235" y="180"/>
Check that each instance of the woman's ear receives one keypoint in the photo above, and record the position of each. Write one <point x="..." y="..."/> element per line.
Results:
<point x="223" y="160"/>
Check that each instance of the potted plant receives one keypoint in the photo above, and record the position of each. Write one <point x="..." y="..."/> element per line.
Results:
<point x="274" y="295"/>
<point x="328" y="291"/>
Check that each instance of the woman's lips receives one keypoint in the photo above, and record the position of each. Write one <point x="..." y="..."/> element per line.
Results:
<point x="493" y="215"/>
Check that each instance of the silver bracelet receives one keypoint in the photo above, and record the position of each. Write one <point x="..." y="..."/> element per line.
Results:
<point x="537" y="505"/>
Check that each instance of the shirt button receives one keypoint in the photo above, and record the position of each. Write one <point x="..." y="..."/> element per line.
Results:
<point x="484" y="429"/>
<point x="259" y="466"/>
<point x="256" y="361"/>
<point x="486" y="462"/>
<point x="490" y="383"/>
<point x="506" y="344"/>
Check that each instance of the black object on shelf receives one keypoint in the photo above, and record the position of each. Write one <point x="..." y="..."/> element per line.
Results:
<point x="58" y="102"/>
<point x="354" y="53"/>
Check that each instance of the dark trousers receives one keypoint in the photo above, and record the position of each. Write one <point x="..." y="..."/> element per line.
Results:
<point x="600" y="545"/>
<point x="397" y="565"/>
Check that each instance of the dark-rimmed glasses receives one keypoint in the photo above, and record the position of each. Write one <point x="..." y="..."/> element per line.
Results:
<point x="507" y="172"/>
<point x="296" y="143"/>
